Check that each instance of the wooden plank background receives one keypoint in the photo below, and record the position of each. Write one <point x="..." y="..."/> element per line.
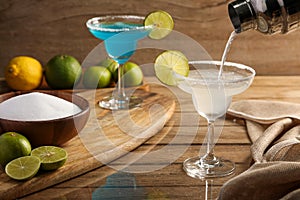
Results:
<point x="42" y="29"/>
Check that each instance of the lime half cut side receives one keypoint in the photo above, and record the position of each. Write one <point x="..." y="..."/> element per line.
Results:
<point x="161" y="21"/>
<point x="51" y="157"/>
<point x="23" y="168"/>
<point x="169" y="62"/>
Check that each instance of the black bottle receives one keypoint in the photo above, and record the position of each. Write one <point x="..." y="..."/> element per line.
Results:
<point x="265" y="16"/>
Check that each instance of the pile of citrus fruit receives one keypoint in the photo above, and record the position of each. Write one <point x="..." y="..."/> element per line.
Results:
<point x="107" y="72"/>
<point x="65" y="72"/>
<point x="21" y="162"/>
<point x="26" y="73"/>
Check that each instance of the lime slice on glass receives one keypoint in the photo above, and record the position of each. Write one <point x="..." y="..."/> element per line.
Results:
<point x="163" y="24"/>
<point x="23" y="168"/>
<point x="169" y="62"/>
<point x="51" y="157"/>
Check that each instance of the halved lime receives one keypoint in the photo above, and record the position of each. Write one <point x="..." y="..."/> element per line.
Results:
<point x="23" y="168"/>
<point x="163" y="24"/>
<point x="169" y="62"/>
<point x="51" y="157"/>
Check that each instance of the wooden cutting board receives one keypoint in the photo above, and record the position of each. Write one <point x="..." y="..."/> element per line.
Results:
<point x="107" y="136"/>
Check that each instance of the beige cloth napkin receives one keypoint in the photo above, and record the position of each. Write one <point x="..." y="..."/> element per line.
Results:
<point x="274" y="129"/>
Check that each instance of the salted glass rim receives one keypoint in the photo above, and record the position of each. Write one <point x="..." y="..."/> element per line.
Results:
<point x="100" y="19"/>
<point x="208" y="80"/>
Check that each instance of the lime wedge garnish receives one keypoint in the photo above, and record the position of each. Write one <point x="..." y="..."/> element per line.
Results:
<point x="51" y="157"/>
<point x="23" y="168"/>
<point x="169" y="62"/>
<point x="162" y="22"/>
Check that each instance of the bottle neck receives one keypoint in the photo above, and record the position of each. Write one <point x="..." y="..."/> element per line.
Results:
<point x="242" y="15"/>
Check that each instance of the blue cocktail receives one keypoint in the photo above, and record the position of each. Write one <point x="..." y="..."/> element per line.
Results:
<point x="120" y="34"/>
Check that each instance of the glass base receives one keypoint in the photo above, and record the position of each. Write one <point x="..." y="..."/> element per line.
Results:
<point x="196" y="168"/>
<point x="112" y="103"/>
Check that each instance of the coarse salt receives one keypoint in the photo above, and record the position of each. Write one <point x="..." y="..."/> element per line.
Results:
<point x="37" y="106"/>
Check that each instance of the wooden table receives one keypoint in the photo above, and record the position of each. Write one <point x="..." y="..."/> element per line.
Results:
<point x="171" y="182"/>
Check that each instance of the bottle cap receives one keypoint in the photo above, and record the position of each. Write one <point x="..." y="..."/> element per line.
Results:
<point x="242" y="15"/>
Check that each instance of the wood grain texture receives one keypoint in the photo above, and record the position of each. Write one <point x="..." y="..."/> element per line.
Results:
<point x="106" y="137"/>
<point x="43" y="29"/>
<point x="171" y="182"/>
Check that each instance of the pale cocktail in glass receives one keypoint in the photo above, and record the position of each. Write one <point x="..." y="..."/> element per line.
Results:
<point x="212" y="95"/>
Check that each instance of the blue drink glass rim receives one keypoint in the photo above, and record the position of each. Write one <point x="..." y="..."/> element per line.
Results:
<point x="107" y="18"/>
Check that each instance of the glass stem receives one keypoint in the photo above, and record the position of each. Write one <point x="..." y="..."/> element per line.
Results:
<point x="209" y="158"/>
<point x="208" y="189"/>
<point x="121" y="90"/>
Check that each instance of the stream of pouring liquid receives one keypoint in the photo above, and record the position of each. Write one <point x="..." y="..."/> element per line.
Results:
<point x="226" y="51"/>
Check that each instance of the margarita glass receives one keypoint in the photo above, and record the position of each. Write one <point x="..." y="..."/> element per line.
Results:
<point x="120" y="34"/>
<point x="212" y="95"/>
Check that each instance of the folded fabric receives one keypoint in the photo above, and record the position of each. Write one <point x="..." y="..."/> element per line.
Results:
<point x="274" y="129"/>
<point x="264" y="112"/>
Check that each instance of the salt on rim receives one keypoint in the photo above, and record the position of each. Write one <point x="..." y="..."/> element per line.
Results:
<point x="37" y="106"/>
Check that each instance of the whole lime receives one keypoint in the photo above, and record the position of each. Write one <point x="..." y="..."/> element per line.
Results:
<point x="132" y="74"/>
<point x="112" y="66"/>
<point x="96" y="77"/>
<point x="13" y="145"/>
<point x="62" y="72"/>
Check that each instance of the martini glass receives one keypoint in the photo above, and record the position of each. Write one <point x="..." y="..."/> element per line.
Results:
<point x="212" y="96"/>
<point x="120" y="34"/>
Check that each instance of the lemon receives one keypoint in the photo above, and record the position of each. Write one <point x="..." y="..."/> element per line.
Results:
<point x="23" y="73"/>
<point x="51" y="157"/>
<point x="163" y="24"/>
<point x="169" y="62"/>
<point x="23" y="168"/>
<point x="96" y="77"/>
<point x="62" y="72"/>
<point x="13" y="145"/>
